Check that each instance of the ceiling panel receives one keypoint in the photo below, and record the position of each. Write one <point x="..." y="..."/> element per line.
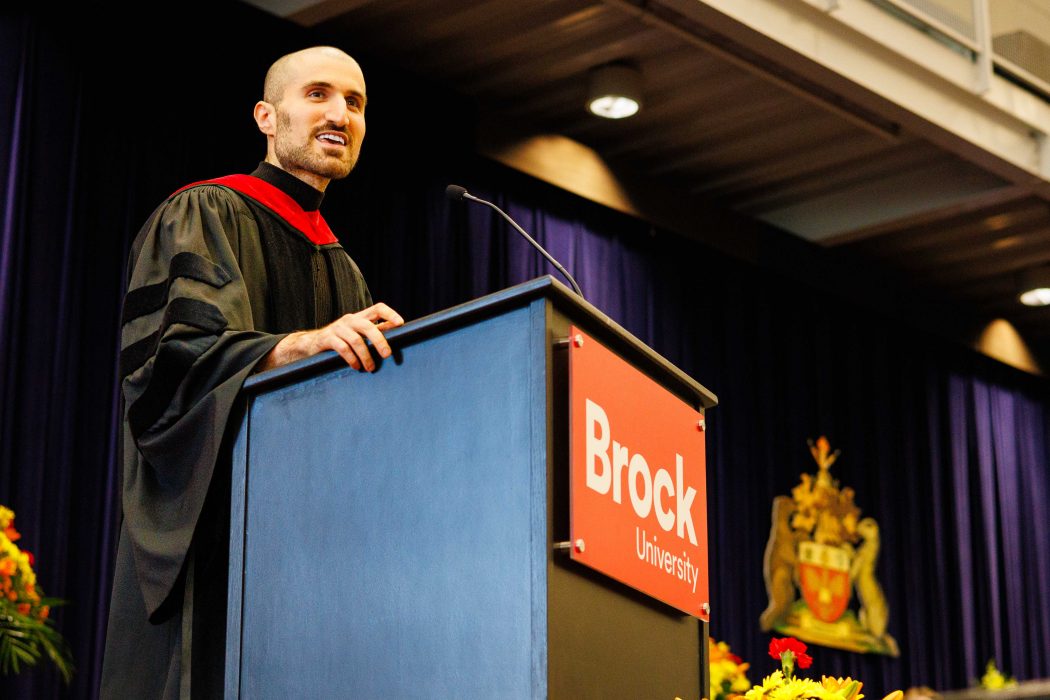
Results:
<point x="726" y="129"/>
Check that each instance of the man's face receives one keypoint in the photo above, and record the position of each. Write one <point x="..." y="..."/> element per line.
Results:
<point x="320" y="119"/>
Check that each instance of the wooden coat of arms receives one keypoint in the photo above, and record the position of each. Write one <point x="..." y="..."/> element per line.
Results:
<point x="820" y="552"/>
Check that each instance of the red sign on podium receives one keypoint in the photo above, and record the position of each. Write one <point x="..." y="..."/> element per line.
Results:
<point x="638" y="489"/>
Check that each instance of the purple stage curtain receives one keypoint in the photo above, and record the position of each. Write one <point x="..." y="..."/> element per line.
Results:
<point x="947" y="450"/>
<point x="57" y="332"/>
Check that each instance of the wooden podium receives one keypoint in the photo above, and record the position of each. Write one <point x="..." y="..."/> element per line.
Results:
<point x="393" y="535"/>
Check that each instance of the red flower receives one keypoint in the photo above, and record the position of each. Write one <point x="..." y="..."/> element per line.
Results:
<point x="32" y="559"/>
<point x="23" y="608"/>
<point x="778" y="647"/>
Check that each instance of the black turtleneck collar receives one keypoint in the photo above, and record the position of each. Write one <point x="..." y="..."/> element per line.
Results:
<point x="304" y="195"/>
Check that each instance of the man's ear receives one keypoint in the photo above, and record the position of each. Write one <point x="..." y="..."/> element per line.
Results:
<point x="266" y="117"/>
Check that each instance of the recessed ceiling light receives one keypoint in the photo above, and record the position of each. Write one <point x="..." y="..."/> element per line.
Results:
<point x="614" y="91"/>
<point x="1033" y="286"/>
<point x="1036" y="297"/>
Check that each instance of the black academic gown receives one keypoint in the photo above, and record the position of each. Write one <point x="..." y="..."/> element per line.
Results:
<point x="217" y="278"/>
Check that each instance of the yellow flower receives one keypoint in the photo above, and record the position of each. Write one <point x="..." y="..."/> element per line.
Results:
<point x="895" y="695"/>
<point x="809" y="687"/>
<point x="841" y="687"/>
<point x="6" y="516"/>
<point x="786" y="692"/>
<point x="740" y="684"/>
<point x="769" y="684"/>
<point x="717" y="650"/>
<point x="773" y="680"/>
<point x="727" y="670"/>
<point x="797" y="689"/>
<point x="731" y="673"/>
<point x="993" y="678"/>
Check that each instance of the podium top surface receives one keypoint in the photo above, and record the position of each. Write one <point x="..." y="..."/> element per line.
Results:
<point x="577" y="309"/>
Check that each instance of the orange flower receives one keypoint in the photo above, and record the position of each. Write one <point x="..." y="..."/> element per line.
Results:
<point x="44" y="612"/>
<point x="23" y="608"/>
<point x="8" y="566"/>
<point x="12" y="596"/>
<point x="719" y="651"/>
<point x="12" y="533"/>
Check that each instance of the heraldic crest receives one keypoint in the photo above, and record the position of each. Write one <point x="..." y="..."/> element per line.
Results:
<point x="821" y="548"/>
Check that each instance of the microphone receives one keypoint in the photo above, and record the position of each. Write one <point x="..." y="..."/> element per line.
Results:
<point x="457" y="193"/>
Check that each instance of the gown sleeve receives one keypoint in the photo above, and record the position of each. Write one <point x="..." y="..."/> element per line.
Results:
<point x="188" y="342"/>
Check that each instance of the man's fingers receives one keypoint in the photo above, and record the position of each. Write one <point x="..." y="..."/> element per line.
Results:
<point x="379" y="342"/>
<point x="358" y="324"/>
<point x="347" y="335"/>
<point x="379" y="311"/>
<point x="357" y="344"/>
<point x="341" y="347"/>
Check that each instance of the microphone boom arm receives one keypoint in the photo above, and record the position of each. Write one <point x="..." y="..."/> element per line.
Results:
<point x="456" y="192"/>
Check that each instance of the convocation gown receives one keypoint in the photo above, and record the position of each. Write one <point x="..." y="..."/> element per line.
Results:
<point x="220" y="273"/>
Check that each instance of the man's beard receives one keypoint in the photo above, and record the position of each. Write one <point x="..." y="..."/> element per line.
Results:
<point x="304" y="156"/>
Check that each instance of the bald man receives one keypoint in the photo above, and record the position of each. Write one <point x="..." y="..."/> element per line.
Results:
<point x="228" y="277"/>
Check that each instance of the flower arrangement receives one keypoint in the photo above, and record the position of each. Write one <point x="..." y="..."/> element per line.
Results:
<point x="994" y="679"/>
<point x="26" y="631"/>
<point x="783" y="685"/>
<point x="728" y="671"/>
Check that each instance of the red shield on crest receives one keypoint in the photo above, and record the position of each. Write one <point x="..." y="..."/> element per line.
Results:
<point x="824" y="575"/>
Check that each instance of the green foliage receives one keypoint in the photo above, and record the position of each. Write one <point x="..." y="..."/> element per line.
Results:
<point x="24" y="640"/>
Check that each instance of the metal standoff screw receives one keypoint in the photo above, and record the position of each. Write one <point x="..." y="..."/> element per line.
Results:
<point x="702" y="424"/>
<point x="580" y="545"/>
<point x="577" y="340"/>
<point x="706" y="608"/>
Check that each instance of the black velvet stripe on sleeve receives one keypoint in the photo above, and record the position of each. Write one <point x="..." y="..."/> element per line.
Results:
<point x="135" y="355"/>
<point x="190" y="312"/>
<point x="173" y="359"/>
<point x="147" y="299"/>
<point x="193" y="312"/>
<point x="172" y="363"/>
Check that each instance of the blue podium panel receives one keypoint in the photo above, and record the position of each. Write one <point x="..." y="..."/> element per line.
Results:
<point x="418" y="493"/>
